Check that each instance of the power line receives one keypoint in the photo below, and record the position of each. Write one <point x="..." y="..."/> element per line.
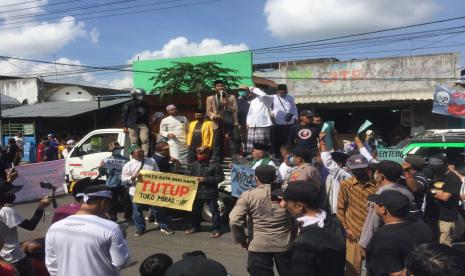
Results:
<point x="40" y="6"/>
<point x="117" y="14"/>
<point x="16" y="4"/>
<point x="292" y="78"/>
<point x="67" y="10"/>
<point x="367" y="33"/>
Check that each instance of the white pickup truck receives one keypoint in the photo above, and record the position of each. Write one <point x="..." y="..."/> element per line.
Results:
<point x="85" y="158"/>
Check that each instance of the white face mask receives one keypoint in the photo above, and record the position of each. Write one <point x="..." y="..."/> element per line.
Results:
<point x="140" y="97"/>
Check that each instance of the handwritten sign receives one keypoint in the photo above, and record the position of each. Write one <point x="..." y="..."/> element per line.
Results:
<point x="30" y="175"/>
<point x="166" y="190"/>
<point x="390" y="154"/>
<point x="242" y="179"/>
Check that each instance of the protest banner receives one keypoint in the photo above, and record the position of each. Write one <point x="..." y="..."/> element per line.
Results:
<point x="390" y="154"/>
<point x="242" y="179"/>
<point x="30" y="176"/>
<point x="449" y="101"/>
<point x="166" y="190"/>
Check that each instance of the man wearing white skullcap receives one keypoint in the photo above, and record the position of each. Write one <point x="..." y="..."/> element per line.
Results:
<point x="174" y="128"/>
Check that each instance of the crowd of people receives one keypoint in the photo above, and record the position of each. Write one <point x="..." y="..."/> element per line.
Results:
<point x="315" y="210"/>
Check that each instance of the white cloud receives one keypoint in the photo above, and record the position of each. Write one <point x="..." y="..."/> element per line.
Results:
<point x="37" y="37"/>
<point x="94" y="35"/>
<point x="311" y="19"/>
<point x="121" y="83"/>
<point x="180" y="47"/>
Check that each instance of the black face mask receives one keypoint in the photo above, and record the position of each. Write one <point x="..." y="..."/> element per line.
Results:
<point x="361" y="175"/>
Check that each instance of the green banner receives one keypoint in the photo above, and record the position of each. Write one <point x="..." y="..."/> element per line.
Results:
<point x="390" y="154"/>
<point x="241" y="61"/>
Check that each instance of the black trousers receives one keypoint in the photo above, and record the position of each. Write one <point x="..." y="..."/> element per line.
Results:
<point x="218" y="141"/>
<point x="24" y="267"/>
<point x="281" y="135"/>
<point x="120" y="200"/>
<point x="261" y="263"/>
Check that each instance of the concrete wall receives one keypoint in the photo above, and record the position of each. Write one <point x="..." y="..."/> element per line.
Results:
<point x="366" y="80"/>
<point x="21" y="89"/>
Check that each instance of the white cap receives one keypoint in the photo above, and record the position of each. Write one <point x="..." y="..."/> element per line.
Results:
<point x="70" y="142"/>
<point x="369" y="132"/>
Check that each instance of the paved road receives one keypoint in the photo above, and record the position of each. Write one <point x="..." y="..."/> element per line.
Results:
<point x="222" y="249"/>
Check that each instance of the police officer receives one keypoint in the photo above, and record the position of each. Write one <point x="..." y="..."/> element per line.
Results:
<point x="135" y="119"/>
<point x="303" y="168"/>
<point x="271" y="226"/>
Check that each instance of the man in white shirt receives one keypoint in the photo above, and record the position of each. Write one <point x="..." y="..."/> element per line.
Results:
<point x="69" y="147"/>
<point x="129" y="175"/>
<point x="86" y="243"/>
<point x="285" y="115"/>
<point x="259" y="121"/>
<point x="10" y="219"/>
<point x="19" y="139"/>
<point x="175" y="128"/>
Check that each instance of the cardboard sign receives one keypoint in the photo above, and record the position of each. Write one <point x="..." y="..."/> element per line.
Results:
<point x="390" y="154"/>
<point x="114" y="163"/>
<point x="363" y="127"/>
<point x="30" y="176"/>
<point x="166" y="190"/>
<point x="242" y="179"/>
<point x="328" y="128"/>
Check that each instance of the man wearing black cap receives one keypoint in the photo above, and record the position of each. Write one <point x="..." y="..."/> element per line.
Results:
<point x="221" y="108"/>
<point x="209" y="175"/>
<point x="200" y="133"/>
<point x="335" y="163"/>
<point x="393" y="242"/>
<point x="112" y="168"/>
<point x="352" y="211"/>
<point x="387" y="175"/>
<point x="303" y="167"/>
<point x="305" y="133"/>
<point x="416" y="181"/>
<point x="285" y="114"/>
<point x="261" y="156"/>
<point x="271" y="226"/>
<point x="10" y="219"/>
<point x="86" y="243"/>
<point x="196" y="265"/>
<point x="442" y="200"/>
<point x="319" y="248"/>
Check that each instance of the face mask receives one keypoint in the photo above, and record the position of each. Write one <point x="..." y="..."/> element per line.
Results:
<point x="140" y="98"/>
<point x="116" y="152"/>
<point x="242" y="93"/>
<point x="202" y="157"/>
<point x="291" y="160"/>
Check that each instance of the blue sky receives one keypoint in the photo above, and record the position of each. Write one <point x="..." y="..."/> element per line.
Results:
<point x="231" y="26"/>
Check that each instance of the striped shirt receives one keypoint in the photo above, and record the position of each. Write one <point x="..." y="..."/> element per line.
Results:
<point x="352" y="204"/>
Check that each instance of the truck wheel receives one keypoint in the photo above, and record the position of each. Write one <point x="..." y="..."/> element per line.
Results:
<point x="225" y="205"/>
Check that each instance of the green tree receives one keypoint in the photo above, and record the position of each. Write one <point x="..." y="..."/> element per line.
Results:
<point x="185" y="77"/>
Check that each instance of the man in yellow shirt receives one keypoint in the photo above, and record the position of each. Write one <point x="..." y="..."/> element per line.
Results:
<point x="200" y="134"/>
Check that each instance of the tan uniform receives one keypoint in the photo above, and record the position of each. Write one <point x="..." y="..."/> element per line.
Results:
<point x="306" y="172"/>
<point x="271" y="223"/>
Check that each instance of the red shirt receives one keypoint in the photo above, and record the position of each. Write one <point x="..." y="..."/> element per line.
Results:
<point x="40" y="152"/>
<point x="7" y="269"/>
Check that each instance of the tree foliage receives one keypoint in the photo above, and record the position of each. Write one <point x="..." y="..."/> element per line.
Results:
<point x="185" y="77"/>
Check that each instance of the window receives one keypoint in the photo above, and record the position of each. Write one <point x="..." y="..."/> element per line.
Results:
<point x="95" y="144"/>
